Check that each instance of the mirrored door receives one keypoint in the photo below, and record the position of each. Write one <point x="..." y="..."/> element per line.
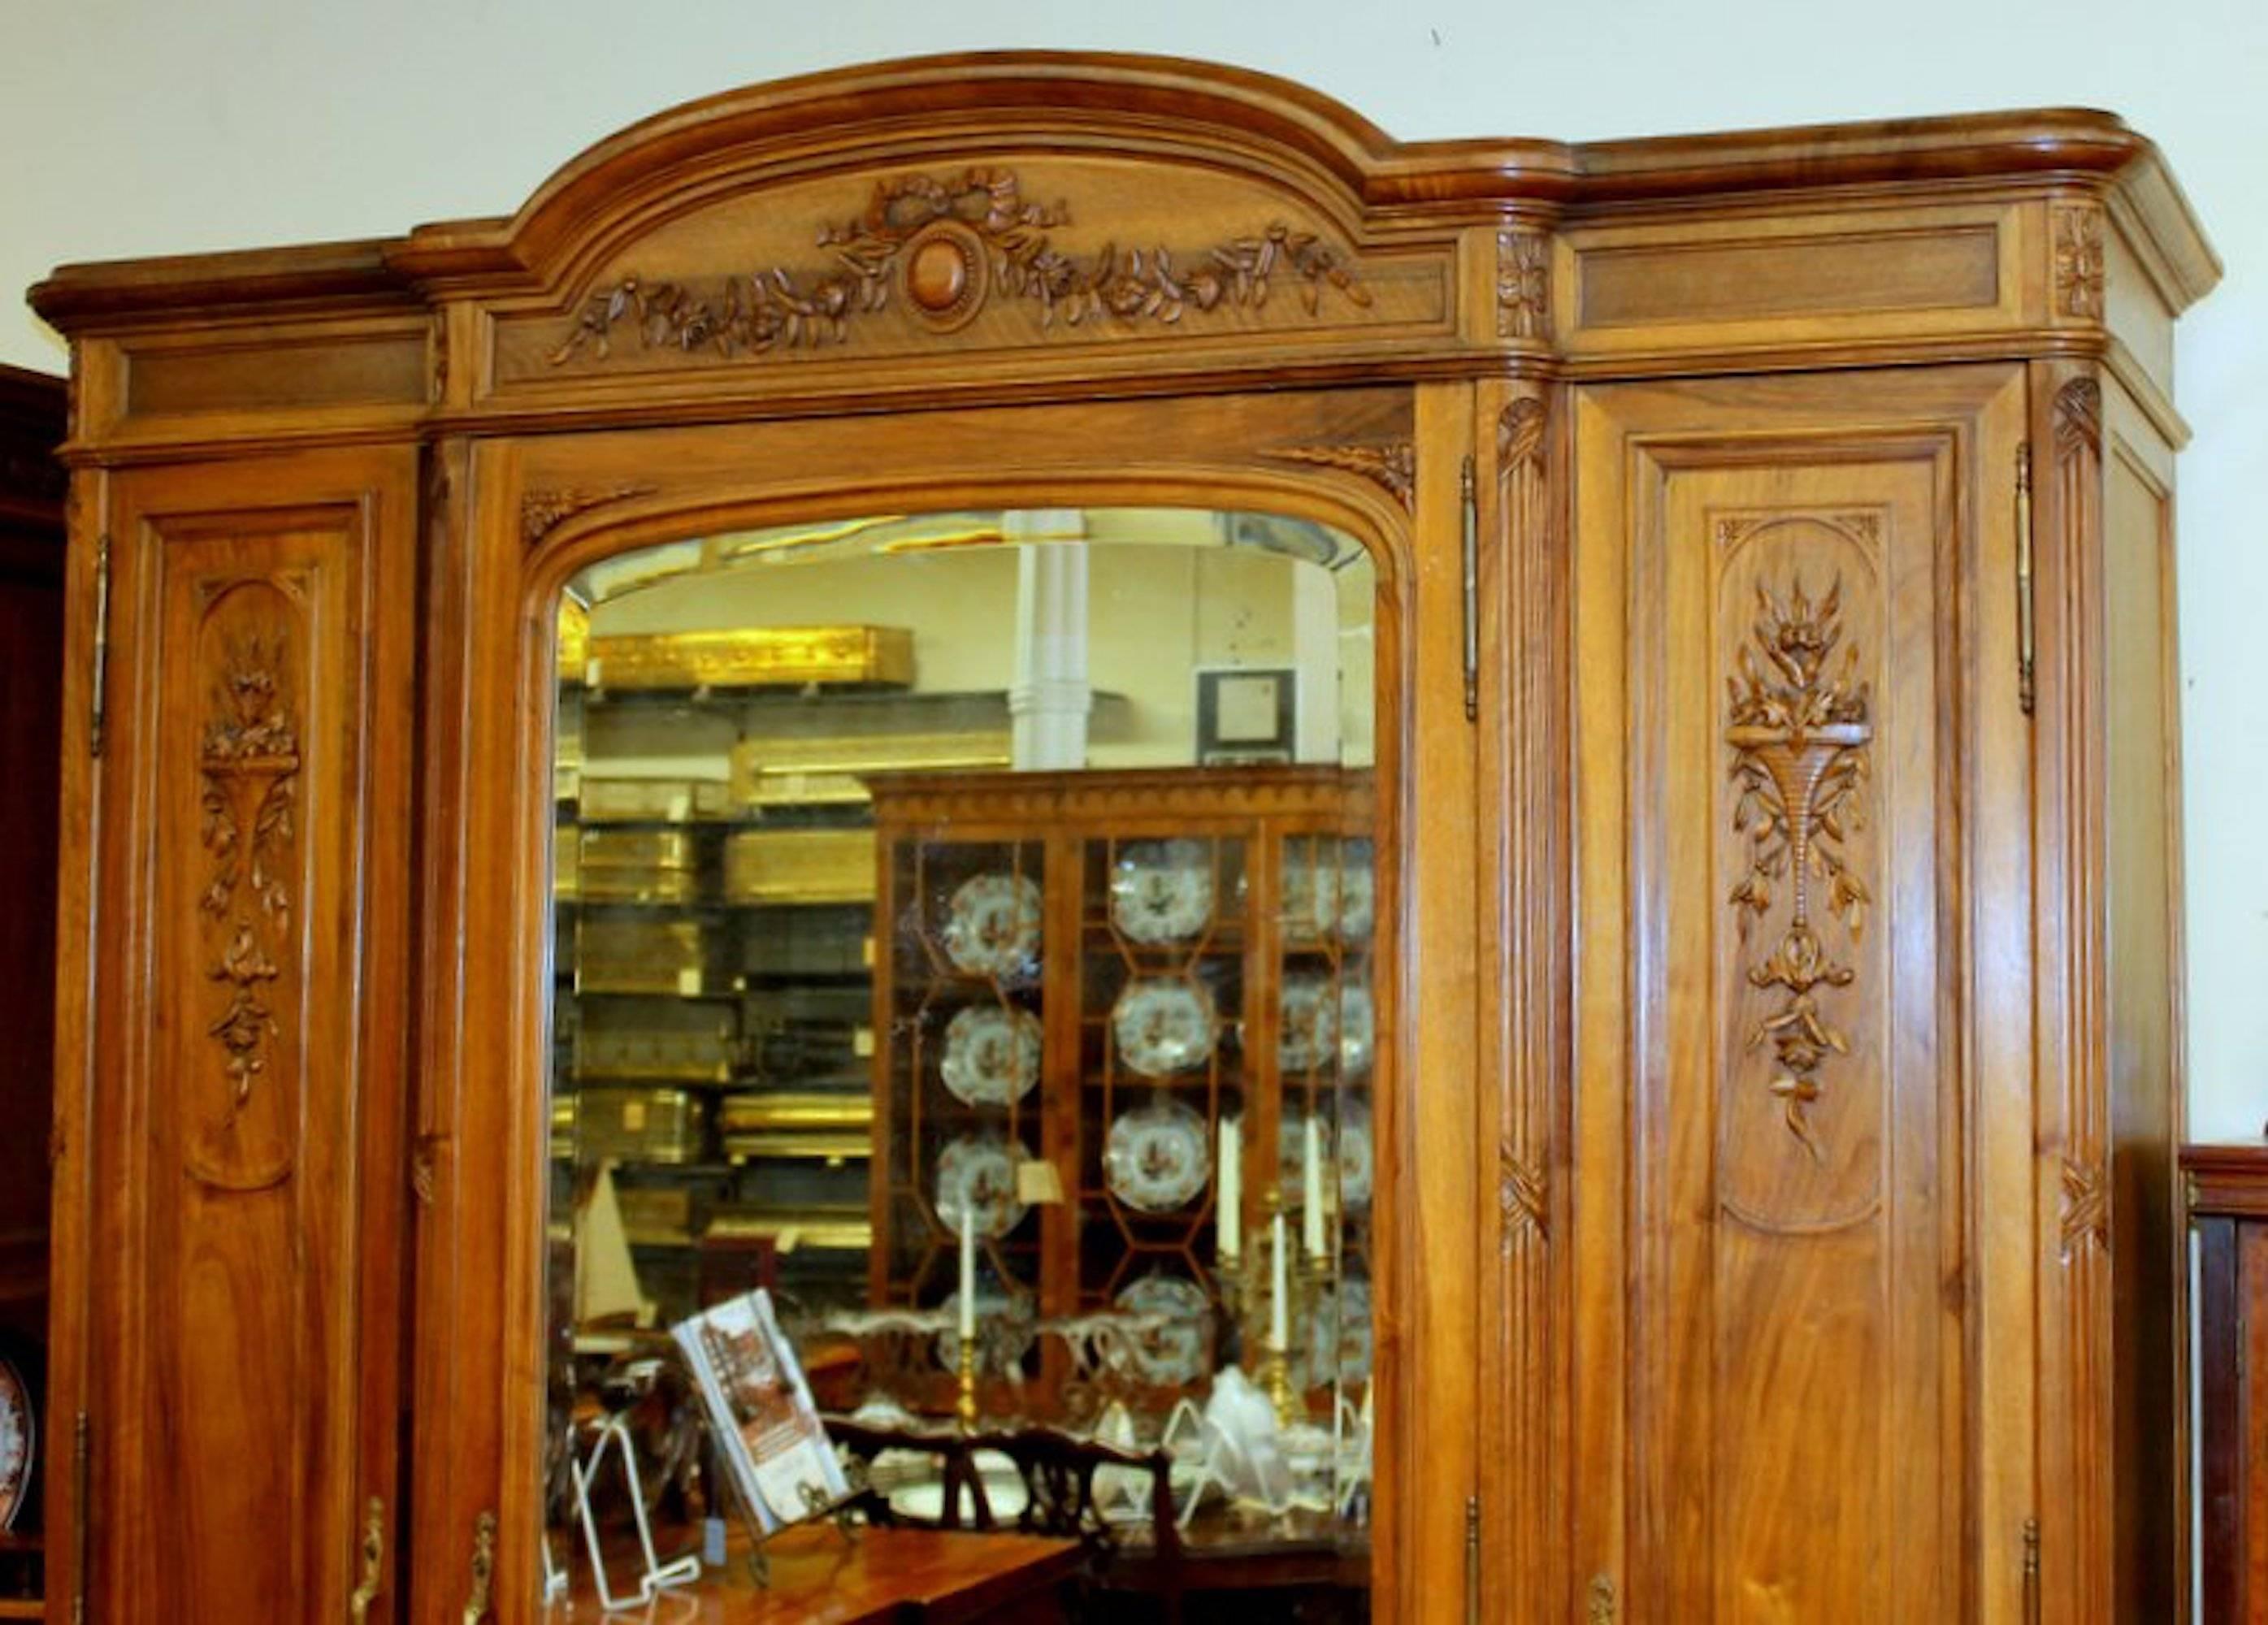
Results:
<point x="964" y="1036"/>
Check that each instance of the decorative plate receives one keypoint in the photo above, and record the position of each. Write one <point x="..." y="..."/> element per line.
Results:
<point x="1331" y="892"/>
<point x="992" y="1055"/>
<point x="18" y="1436"/>
<point x="1161" y="891"/>
<point x="1171" y="1354"/>
<point x="1356" y="1164"/>
<point x="1357" y="1028"/>
<point x="1006" y="1326"/>
<point x="1308" y="1022"/>
<point x="1338" y="1334"/>
<point x="992" y="925"/>
<point x="1155" y="1159"/>
<point x="1357" y="892"/>
<point x="1164" y="1025"/>
<point x="1291" y="1156"/>
<point x="978" y="1171"/>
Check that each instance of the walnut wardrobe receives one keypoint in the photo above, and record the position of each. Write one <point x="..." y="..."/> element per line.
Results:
<point x="1778" y="981"/>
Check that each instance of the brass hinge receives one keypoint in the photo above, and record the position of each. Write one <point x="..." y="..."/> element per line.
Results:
<point x="484" y="1537"/>
<point x="1602" y="1600"/>
<point x="98" y="680"/>
<point x="2031" y="1571"/>
<point x="1471" y="538"/>
<point x="2026" y="632"/>
<point x="82" y="1524"/>
<point x="1472" y="1560"/>
<point x="373" y="1562"/>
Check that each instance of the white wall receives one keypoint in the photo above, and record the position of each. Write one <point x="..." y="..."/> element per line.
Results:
<point x="137" y="127"/>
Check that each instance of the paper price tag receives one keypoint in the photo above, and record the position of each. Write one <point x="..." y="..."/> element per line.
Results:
<point x="861" y="1042"/>
<point x="688" y="983"/>
<point x="1038" y="1183"/>
<point x="681" y="807"/>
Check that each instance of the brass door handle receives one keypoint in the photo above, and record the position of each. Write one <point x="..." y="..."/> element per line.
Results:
<point x="476" y="1604"/>
<point x="373" y="1562"/>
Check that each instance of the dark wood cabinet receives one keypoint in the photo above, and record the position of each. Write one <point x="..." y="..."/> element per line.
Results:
<point x="1775" y="1095"/>
<point x="2227" y="1187"/>
<point x="33" y="483"/>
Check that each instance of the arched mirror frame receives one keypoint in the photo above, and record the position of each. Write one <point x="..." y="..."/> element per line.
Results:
<point x="881" y="464"/>
<point x="1404" y="415"/>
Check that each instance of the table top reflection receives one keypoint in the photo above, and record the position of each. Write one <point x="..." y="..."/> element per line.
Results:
<point x="821" y="1578"/>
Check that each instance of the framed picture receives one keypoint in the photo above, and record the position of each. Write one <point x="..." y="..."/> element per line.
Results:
<point x="1247" y="714"/>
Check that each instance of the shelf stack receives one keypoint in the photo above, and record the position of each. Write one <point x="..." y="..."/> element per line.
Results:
<point x="712" y="995"/>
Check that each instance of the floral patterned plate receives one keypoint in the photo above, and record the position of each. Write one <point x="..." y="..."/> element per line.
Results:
<point x="1171" y="1353"/>
<point x="1338" y="1344"/>
<point x="1306" y="1021"/>
<point x="19" y="1425"/>
<point x="1161" y="891"/>
<point x="992" y="1055"/>
<point x="1330" y="891"/>
<point x="1291" y="1155"/>
<point x="978" y="1170"/>
<point x="1155" y="1159"/>
<point x="992" y="926"/>
<point x="1357" y="1165"/>
<point x="1164" y="1025"/>
<point x="1357" y="1028"/>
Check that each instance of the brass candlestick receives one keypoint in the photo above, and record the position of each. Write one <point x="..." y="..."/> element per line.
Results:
<point x="964" y="1404"/>
<point x="1275" y="1383"/>
<point x="1248" y="1287"/>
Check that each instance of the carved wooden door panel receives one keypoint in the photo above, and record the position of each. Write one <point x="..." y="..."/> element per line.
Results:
<point x="244" y="1078"/>
<point x="1785" y="592"/>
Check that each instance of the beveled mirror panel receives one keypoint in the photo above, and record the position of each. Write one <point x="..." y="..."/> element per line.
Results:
<point x="965" y="1037"/>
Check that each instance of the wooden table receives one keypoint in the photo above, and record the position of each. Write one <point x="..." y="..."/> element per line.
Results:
<point x="1239" y="1549"/>
<point x="885" y="1576"/>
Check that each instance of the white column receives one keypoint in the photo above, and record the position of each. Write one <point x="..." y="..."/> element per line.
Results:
<point x="1049" y="701"/>
<point x="1315" y="653"/>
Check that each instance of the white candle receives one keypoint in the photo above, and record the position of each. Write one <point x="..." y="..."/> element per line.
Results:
<point x="1228" y="1218"/>
<point x="1279" y="1336"/>
<point x="968" y="1265"/>
<point x="1311" y="1216"/>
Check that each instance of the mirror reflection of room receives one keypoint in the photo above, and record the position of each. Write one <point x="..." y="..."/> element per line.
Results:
<point x="964" y="1038"/>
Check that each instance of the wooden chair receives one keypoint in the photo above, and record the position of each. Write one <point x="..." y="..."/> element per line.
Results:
<point x="955" y="1470"/>
<point x="1059" y="1473"/>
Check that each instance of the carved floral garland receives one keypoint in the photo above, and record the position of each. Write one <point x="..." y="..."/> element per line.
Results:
<point x="781" y="307"/>
<point x="250" y="761"/>
<point x="1799" y="761"/>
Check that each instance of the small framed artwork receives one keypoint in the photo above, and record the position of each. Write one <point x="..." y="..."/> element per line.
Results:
<point x="1247" y="714"/>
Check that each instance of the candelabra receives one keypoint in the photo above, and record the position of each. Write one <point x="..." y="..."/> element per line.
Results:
<point x="1249" y="1285"/>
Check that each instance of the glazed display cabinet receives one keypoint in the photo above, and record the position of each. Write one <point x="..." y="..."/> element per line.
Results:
<point x="1718" y="590"/>
<point x="1132" y="978"/>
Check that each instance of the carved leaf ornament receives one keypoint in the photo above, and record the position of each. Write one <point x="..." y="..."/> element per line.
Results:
<point x="945" y="247"/>
<point x="1798" y="727"/>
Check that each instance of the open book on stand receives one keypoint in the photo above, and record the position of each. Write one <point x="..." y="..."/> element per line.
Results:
<point x="768" y="1431"/>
